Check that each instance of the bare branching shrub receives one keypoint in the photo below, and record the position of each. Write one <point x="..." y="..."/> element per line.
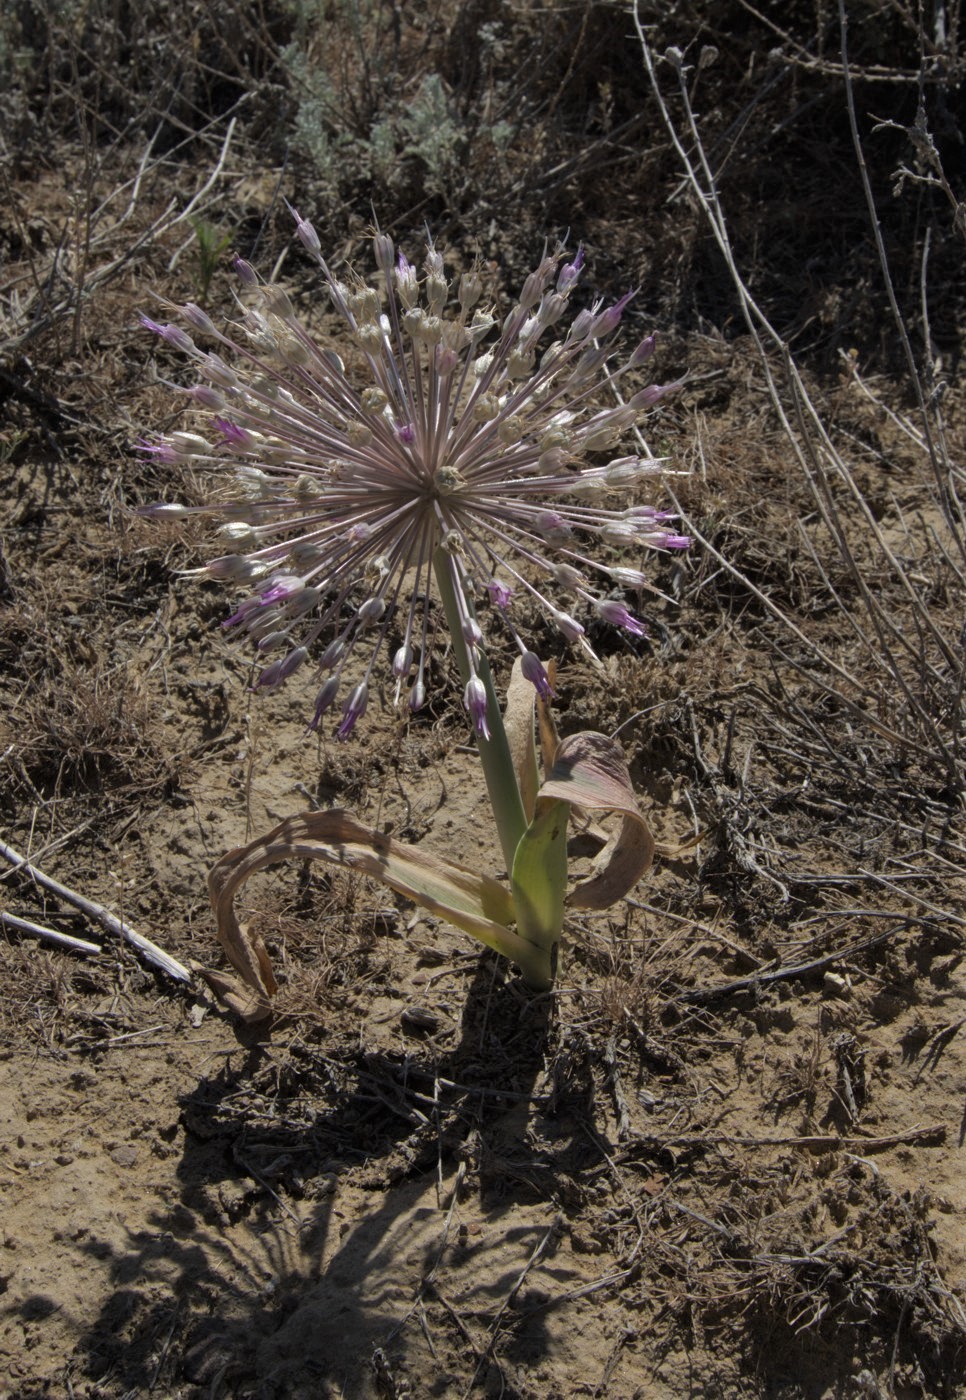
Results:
<point x="893" y="572"/>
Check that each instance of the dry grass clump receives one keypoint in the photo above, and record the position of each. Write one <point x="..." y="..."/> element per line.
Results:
<point x="91" y="731"/>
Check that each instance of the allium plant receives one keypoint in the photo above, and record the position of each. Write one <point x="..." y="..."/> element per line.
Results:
<point x="446" y="447"/>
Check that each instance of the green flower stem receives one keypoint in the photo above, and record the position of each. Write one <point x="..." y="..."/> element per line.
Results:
<point x="501" y="780"/>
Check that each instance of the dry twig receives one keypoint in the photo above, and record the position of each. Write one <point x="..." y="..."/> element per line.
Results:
<point x="148" y="950"/>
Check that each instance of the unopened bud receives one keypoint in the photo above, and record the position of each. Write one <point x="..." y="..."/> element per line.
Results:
<point x="308" y="236"/>
<point x="244" y="271"/>
<point x="384" y="253"/>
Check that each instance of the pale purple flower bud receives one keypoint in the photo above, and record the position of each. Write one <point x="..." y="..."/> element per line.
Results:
<point x="244" y="271"/>
<point x="625" y="471"/>
<point x="406" y="433"/>
<point x="279" y="302"/>
<point x="532" y="290"/>
<point x="551" y="309"/>
<point x="446" y="361"/>
<point x="244" y="613"/>
<point x="627" y="578"/>
<point x="407" y="284"/>
<point x="554" y="528"/>
<point x="646" y="398"/>
<point x="332" y="655"/>
<point x="280" y="671"/>
<point x="474" y="698"/>
<point x="589" y="363"/>
<point x="177" y="339"/>
<point x="535" y="283"/>
<point x="417" y="696"/>
<point x="280" y="589"/>
<point x="189" y="444"/>
<point x="206" y="397"/>
<point x="500" y="595"/>
<point x="384" y="253"/>
<point x="570" y="628"/>
<point x="582" y="322"/>
<point x="215" y="368"/>
<point x="610" y="319"/>
<point x="471" y="289"/>
<point x="567" y="576"/>
<point x="352" y="710"/>
<point x="197" y="319"/>
<point x="670" y="541"/>
<point x="163" y="451"/>
<point x="325" y="700"/>
<point x="570" y="272"/>
<point x="552" y="461"/>
<point x="437" y="289"/>
<point x="532" y="668"/>
<point x="371" y="611"/>
<point x="233" y="435"/>
<point x="618" y="616"/>
<point x="307" y="236"/>
<point x="644" y="351"/>
<point x="402" y="662"/>
<point x="647" y="513"/>
<point x="302" y="601"/>
<point x="472" y="634"/>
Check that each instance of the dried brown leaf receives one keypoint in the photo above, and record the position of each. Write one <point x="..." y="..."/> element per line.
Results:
<point x="590" y="771"/>
<point x="477" y="904"/>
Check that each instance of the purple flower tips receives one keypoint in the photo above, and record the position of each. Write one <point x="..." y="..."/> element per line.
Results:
<point x="618" y="616"/>
<point x="533" y="669"/>
<point x="570" y="272"/>
<point x="474" y="698"/>
<point x="325" y="700"/>
<point x="352" y="710"/>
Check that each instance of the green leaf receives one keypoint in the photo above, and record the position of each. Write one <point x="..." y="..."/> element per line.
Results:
<point x="539" y="883"/>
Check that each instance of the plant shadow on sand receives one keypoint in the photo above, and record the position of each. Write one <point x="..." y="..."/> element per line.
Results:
<point x="309" y="1240"/>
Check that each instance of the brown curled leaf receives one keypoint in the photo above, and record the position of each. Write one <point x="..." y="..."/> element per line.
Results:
<point x="477" y="904"/>
<point x="590" y="772"/>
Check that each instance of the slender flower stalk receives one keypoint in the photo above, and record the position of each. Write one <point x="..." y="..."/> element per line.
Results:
<point x="446" y="444"/>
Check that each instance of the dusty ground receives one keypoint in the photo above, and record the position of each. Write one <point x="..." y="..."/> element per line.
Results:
<point x="724" y="1158"/>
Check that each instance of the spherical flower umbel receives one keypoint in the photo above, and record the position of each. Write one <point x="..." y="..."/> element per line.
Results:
<point x="448" y="441"/>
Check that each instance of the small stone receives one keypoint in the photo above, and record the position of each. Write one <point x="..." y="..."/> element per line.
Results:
<point x="124" y="1156"/>
<point x="419" y="1018"/>
<point x="64" y="1159"/>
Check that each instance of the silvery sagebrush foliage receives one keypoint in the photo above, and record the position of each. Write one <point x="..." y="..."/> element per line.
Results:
<point x="449" y="441"/>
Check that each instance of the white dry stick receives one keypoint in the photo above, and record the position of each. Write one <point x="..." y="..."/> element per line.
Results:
<point x="63" y="940"/>
<point x="148" y="950"/>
